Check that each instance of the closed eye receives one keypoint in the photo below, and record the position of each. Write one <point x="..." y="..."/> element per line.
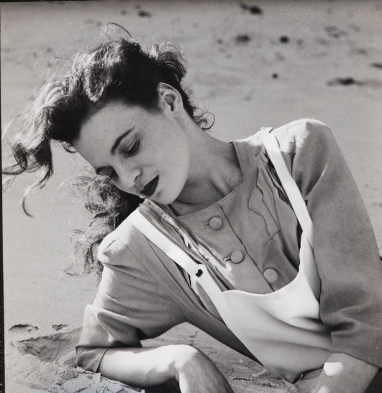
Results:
<point x="126" y="152"/>
<point x="131" y="150"/>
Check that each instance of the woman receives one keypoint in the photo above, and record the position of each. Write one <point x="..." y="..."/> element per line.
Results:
<point x="229" y="222"/>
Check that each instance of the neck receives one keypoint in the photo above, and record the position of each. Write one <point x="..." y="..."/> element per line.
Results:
<point x="214" y="172"/>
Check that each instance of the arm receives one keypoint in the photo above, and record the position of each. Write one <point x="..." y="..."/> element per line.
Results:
<point x="346" y="255"/>
<point x="147" y="367"/>
<point x="108" y="345"/>
<point x="130" y="306"/>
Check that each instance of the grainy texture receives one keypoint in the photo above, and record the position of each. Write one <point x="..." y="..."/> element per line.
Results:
<point x="295" y="60"/>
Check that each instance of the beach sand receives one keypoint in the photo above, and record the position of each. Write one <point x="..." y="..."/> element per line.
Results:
<point x="251" y="64"/>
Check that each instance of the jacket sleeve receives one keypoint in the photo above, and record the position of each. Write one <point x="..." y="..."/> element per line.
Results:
<point x="345" y="248"/>
<point x="129" y="306"/>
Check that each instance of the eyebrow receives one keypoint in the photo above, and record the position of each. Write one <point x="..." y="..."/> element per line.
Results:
<point x="115" y="147"/>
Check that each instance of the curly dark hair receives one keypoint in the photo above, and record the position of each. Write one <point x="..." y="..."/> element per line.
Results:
<point x="119" y="69"/>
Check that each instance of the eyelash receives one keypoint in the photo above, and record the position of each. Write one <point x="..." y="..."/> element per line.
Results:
<point x="132" y="150"/>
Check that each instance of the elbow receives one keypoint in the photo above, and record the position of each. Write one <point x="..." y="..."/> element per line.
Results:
<point x="89" y="358"/>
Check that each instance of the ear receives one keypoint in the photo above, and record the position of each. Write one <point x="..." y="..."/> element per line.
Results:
<point x="170" y="97"/>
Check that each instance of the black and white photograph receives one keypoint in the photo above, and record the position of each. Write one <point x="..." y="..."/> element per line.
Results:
<point x="191" y="196"/>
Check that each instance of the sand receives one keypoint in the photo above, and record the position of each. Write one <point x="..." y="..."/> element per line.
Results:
<point x="251" y="64"/>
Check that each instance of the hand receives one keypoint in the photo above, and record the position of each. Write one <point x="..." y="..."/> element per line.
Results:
<point x="196" y="373"/>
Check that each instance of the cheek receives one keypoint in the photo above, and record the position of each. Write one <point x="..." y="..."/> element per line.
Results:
<point x="167" y="155"/>
<point x="180" y="164"/>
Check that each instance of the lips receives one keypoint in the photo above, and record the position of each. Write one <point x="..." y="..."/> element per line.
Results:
<point x="150" y="187"/>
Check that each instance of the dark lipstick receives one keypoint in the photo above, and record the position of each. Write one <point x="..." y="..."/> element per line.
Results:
<point x="150" y="187"/>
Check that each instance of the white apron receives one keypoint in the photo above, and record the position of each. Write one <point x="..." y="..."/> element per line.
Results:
<point x="281" y="329"/>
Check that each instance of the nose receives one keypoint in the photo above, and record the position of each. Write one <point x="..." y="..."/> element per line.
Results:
<point x="128" y="180"/>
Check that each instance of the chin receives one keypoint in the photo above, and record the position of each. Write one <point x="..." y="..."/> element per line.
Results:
<point x="166" y="198"/>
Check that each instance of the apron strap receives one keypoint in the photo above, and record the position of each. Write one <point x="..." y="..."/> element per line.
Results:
<point x="294" y="194"/>
<point x="175" y="253"/>
<point x="172" y="250"/>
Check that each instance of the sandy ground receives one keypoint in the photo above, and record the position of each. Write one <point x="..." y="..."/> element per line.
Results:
<point x="295" y="59"/>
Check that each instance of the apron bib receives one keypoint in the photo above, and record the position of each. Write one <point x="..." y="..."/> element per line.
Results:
<point x="281" y="329"/>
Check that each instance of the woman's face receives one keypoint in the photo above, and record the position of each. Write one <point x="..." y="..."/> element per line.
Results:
<point x="144" y="153"/>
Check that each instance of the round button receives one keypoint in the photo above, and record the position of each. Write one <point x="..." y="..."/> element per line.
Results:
<point x="216" y="223"/>
<point x="271" y="275"/>
<point x="237" y="256"/>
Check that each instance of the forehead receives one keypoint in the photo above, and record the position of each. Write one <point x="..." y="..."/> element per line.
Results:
<point x="101" y="128"/>
<point x="103" y="120"/>
<point x="105" y="124"/>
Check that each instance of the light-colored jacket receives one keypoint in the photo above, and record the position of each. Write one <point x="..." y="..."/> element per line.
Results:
<point x="255" y="235"/>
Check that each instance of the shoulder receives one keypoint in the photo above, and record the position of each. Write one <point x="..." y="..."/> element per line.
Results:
<point x="291" y="136"/>
<point x="294" y="135"/>
<point x="124" y="241"/>
<point x="296" y="138"/>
